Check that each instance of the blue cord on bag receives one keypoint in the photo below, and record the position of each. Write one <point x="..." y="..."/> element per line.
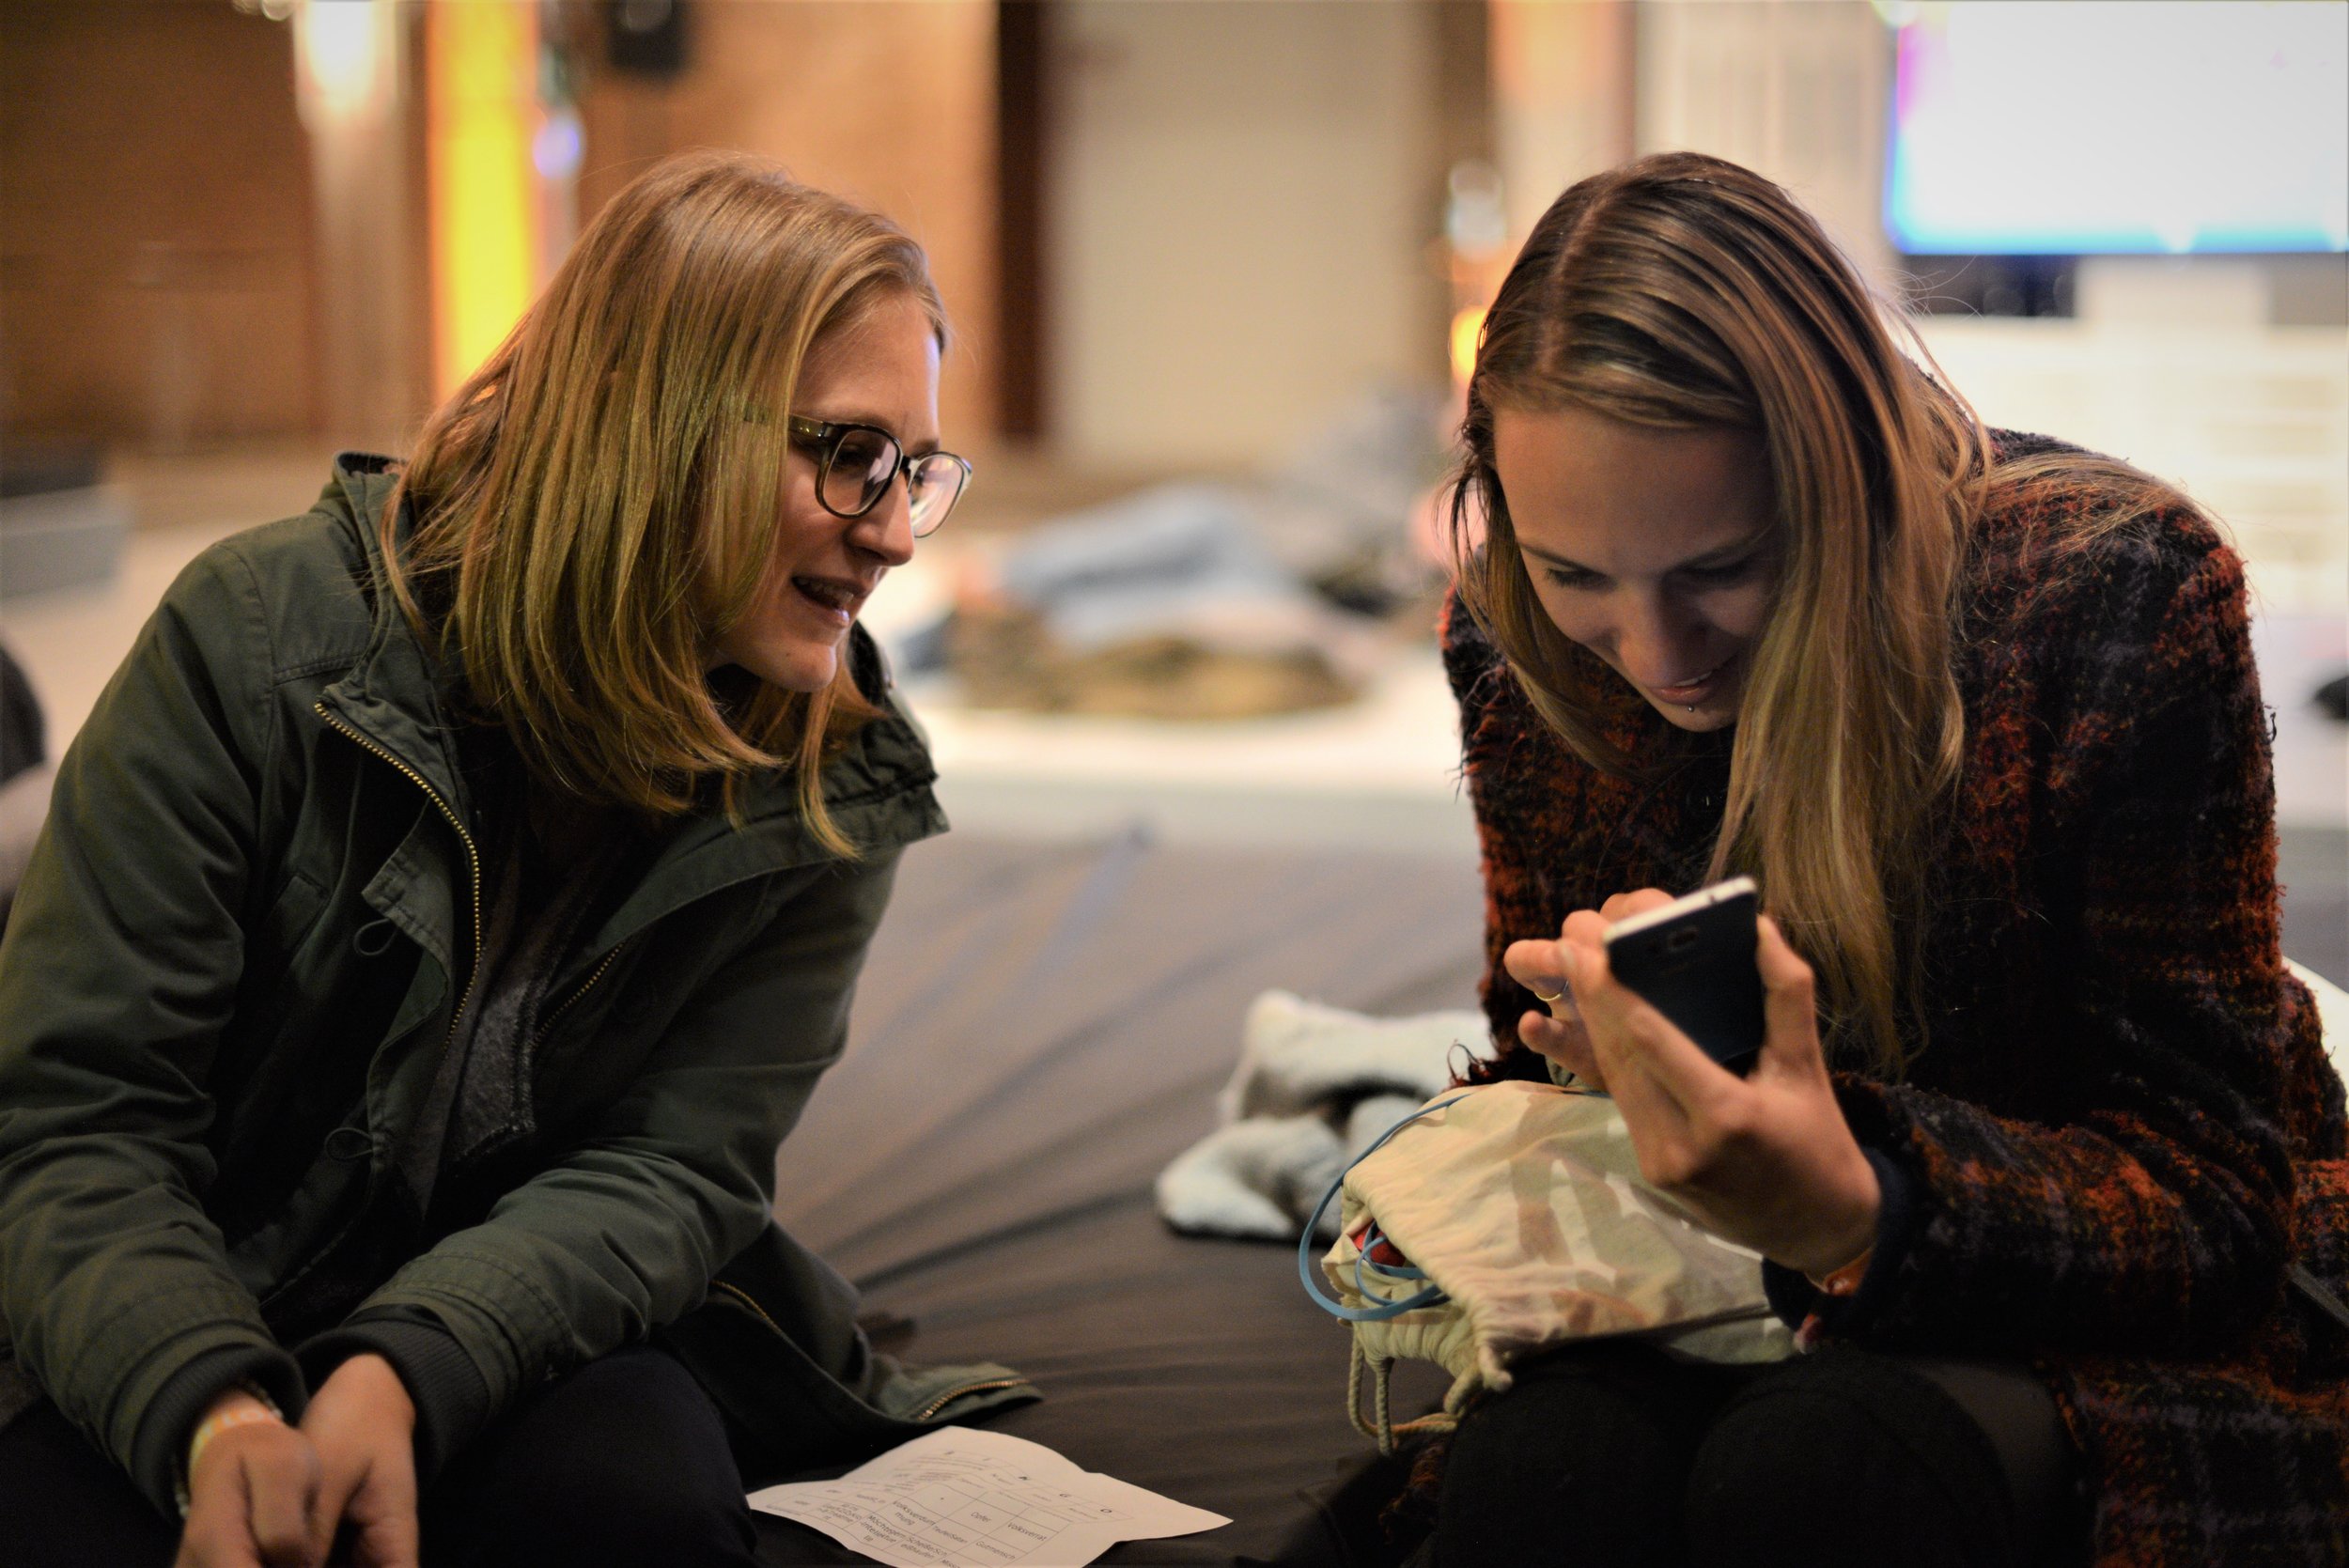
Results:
<point x="1373" y="1236"/>
<point x="1431" y="1296"/>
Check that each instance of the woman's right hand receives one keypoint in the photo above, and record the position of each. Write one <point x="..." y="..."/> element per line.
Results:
<point x="1540" y="967"/>
<point x="1557" y="1034"/>
<point x="250" y="1493"/>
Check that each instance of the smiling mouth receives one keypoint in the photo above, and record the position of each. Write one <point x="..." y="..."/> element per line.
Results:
<point x="1697" y="684"/>
<point x="835" y="597"/>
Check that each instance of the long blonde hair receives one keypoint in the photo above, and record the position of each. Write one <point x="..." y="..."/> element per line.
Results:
<point x="1682" y="291"/>
<point x="596" y="507"/>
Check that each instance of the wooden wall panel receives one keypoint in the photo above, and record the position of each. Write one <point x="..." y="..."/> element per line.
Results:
<point x="891" y="103"/>
<point x="155" y="231"/>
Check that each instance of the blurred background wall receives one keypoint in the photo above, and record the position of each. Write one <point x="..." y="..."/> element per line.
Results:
<point x="1240" y="200"/>
<point x="1174" y="233"/>
<point x="157" y="272"/>
<point x="892" y="105"/>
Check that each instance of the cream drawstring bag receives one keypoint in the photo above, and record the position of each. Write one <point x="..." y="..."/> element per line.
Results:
<point x="1522" y="1223"/>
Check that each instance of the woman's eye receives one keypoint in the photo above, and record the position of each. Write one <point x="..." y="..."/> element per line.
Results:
<point x="1732" y="571"/>
<point x="1576" y="578"/>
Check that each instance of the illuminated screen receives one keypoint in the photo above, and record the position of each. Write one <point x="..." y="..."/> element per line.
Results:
<point x="2069" y="128"/>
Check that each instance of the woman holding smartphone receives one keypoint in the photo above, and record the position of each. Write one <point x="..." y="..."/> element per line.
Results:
<point x="447" y="907"/>
<point x="2041" y="1147"/>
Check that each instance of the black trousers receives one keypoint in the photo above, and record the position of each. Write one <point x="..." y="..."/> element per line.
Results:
<point x="1620" y="1456"/>
<point x="623" y="1462"/>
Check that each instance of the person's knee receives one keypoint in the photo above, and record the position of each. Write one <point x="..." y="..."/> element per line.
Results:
<point x="1574" y="1421"/>
<point x="1581" y="1461"/>
<point x="1856" y="1467"/>
<point x="623" y="1524"/>
<point x="624" y="1463"/>
<point x="601" y="1516"/>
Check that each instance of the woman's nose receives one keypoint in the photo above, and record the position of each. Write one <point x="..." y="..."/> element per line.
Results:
<point x="887" y="530"/>
<point x="1655" y="646"/>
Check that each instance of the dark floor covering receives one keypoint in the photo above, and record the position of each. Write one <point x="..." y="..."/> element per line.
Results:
<point x="1038" y="1032"/>
<point x="1040" y="1029"/>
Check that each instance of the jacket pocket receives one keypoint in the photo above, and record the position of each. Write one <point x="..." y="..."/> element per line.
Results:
<point x="291" y="920"/>
<point x="292" y="1075"/>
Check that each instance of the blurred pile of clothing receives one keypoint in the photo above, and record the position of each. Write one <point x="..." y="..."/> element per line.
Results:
<point x="1275" y="594"/>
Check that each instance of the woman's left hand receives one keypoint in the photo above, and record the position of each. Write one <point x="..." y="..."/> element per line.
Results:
<point x="363" y="1423"/>
<point x="1766" y="1161"/>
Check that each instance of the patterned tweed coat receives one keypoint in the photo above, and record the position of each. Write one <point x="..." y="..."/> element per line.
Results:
<point x="2121" y="1129"/>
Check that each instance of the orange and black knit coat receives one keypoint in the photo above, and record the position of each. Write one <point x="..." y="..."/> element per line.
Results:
<point x="2121" y="1130"/>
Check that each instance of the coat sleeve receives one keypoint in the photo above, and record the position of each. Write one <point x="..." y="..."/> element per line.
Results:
<point x="623" y="1230"/>
<point x="119" y="973"/>
<point x="2151" y="1217"/>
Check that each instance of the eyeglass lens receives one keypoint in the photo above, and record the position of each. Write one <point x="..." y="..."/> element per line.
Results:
<point x="864" y="461"/>
<point x="931" y="490"/>
<point x="863" y="464"/>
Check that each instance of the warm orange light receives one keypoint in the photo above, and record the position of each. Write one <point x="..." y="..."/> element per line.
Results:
<point x="1465" y="327"/>
<point x="481" y="60"/>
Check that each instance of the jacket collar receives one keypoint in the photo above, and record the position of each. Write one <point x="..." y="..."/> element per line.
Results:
<point x="392" y="697"/>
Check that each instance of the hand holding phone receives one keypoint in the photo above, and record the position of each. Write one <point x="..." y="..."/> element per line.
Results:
<point x="1765" y="1159"/>
<point x="1693" y="960"/>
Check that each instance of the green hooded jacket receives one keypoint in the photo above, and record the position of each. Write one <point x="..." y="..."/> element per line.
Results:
<point x="252" y="910"/>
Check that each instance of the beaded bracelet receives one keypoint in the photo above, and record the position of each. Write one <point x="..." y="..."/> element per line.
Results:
<point x="219" y="1421"/>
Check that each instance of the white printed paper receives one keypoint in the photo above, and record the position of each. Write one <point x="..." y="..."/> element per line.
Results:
<point x="967" y="1498"/>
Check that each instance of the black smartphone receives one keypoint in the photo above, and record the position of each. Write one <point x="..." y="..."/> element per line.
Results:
<point x="1693" y="960"/>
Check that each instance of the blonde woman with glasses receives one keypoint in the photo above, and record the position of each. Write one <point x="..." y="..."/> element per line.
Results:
<point x="2042" y="1148"/>
<point x="445" y="910"/>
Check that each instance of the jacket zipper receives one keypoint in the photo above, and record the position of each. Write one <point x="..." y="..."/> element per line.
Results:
<point x="547" y="1023"/>
<point x="472" y="861"/>
<point x="744" y="1296"/>
<point x="473" y="854"/>
<point x="937" y="1404"/>
<point x="588" y="985"/>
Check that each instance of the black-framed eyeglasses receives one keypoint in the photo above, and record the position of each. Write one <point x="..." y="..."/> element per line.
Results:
<point x="855" y="464"/>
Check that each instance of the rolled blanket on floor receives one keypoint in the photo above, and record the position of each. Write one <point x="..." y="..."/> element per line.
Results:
<point x="1314" y="1086"/>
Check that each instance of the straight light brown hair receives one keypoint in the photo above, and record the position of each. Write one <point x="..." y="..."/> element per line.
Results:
<point x="1682" y="293"/>
<point x="597" y="505"/>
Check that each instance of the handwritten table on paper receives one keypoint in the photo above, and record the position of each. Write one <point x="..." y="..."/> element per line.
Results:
<point x="967" y="1498"/>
